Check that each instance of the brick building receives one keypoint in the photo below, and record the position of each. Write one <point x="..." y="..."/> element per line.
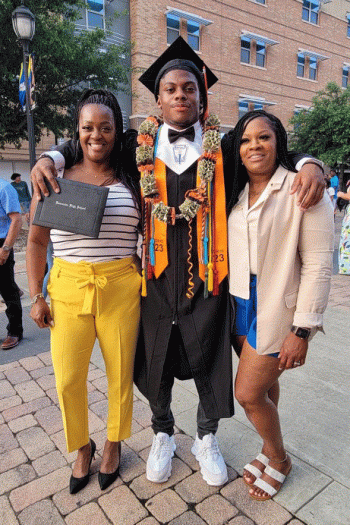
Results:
<point x="271" y="54"/>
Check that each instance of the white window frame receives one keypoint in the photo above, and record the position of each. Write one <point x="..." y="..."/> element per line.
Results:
<point x="170" y="30"/>
<point x="346" y="67"/>
<point x="261" y="54"/>
<point x="301" y="64"/>
<point x="313" y="68"/>
<point x="99" y="13"/>
<point x="246" y="50"/>
<point x="310" y="11"/>
<point x="193" y="36"/>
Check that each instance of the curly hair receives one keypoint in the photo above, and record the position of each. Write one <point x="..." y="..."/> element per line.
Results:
<point x="235" y="136"/>
<point x="123" y="170"/>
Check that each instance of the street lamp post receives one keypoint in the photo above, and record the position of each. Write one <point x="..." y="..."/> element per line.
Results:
<point x="23" y="22"/>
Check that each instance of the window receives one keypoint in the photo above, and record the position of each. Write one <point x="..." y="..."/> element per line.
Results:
<point x="173" y="28"/>
<point x="247" y="105"/>
<point x="245" y="50"/>
<point x="301" y="65"/>
<point x="193" y="34"/>
<point x="312" y="68"/>
<point x="345" y="77"/>
<point x="260" y="54"/>
<point x="175" y="18"/>
<point x="310" y="11"/>
<point x="254" y="48"/>
<point x="348" y="27"/>
<point x="243" y="107"/>
<point x="95" y="13"/>
<point x="308" y="64"/>
<point x="260" y="1"/>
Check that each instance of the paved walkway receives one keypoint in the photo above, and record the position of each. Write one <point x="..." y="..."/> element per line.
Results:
<point x="35" y="467"/>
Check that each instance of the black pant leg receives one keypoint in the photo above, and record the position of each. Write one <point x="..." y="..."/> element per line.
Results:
<point x="162" y="416"/>
<point x="204" y="425"/>
<point x="10" y="294"/>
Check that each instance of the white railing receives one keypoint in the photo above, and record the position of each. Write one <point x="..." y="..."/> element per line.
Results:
<point x="112" y="38"/>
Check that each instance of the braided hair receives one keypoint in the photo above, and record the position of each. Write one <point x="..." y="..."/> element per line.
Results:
<point x="123" y="169"/>
<point x="236" y="166"/>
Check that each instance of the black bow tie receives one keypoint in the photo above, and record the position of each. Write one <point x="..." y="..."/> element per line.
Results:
<point x="188" y="134"/>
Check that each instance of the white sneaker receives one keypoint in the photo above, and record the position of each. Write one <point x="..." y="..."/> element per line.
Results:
<point x="159" y="459"/>
<point x="210" y="460"/>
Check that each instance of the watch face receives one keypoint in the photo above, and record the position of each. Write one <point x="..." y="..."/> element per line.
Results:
<point x="303" y="333"/>
<point x="6" y="248"/>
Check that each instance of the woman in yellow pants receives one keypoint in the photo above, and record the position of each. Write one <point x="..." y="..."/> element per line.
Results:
<point x="94" y="287"/>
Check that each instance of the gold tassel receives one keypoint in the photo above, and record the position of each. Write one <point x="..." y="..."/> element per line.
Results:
<point x="143" y="284"/>
<point x="210" y="277"/>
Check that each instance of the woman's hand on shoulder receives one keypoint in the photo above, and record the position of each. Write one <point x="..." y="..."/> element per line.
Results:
<point x="41" y="315"/>
<point x="309" y="184"/>
<point x="293" y="352"/>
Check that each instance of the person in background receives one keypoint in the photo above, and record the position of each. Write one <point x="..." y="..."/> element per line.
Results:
<point x="10" y="225"/>
<point x="330" y="190"/>
<point x="23" y="194"/>
<point x="344" y="242"/>
<point x="94" y="288"/>
<point x="280" y="267"/>
<point x="334" y="181"/>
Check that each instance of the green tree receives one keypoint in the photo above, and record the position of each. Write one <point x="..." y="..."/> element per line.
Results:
<point x="323" y="131"/>
<point x="64" y="61"/>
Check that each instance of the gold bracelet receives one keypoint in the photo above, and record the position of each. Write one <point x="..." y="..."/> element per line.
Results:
<point x="36" y="297"/>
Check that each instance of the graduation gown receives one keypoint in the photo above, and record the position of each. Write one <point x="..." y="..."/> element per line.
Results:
<point x="204" y="324"/>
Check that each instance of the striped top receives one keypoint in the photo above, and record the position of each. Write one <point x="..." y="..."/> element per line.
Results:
<point x="117" y="238"/>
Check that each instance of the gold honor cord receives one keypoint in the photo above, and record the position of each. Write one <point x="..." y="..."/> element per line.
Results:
<point x="190" y="293"/>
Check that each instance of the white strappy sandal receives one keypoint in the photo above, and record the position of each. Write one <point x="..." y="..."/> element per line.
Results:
<point x="254" y="470"/>
<point x="266" y="487"/>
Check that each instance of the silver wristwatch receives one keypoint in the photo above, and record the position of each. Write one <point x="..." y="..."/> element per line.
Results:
<point x="6" y="247"/>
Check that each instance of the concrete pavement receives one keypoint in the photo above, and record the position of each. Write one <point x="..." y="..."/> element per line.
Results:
<point x="314" y="409"/>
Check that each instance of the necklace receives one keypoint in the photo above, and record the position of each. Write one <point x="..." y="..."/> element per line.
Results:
<point x="99" y="179"/>
<point x="145" y="158"/>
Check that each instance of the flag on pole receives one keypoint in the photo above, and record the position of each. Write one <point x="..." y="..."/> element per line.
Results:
<point x="22" y="89"/>
<point x="31" y="82"/>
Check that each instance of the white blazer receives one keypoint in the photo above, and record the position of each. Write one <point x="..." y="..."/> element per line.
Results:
<point x="295" y="259"/>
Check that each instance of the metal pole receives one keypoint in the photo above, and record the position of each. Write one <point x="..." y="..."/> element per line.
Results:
<point x="30" y="123"/>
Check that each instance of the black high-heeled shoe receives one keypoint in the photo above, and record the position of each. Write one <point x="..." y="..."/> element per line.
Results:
<point x="105" y="480"/>
<point x="76" y="484"/>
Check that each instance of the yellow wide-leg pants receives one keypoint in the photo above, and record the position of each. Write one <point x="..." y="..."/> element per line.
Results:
<point x="89" y="301"/>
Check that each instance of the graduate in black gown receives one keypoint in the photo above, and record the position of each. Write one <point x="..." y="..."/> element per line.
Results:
<point x="185" y="319"/>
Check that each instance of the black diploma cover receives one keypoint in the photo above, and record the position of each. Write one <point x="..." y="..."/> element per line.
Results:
<point x="79" y="208"/>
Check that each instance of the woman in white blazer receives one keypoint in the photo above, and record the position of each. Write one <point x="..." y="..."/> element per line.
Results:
<point x="280" y="261"/>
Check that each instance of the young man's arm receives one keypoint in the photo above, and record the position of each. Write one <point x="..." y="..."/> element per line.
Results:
<point x="309" y="181"/>
<point x="46" y="168"/>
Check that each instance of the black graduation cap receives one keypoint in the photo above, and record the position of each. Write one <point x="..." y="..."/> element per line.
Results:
<point x="178" y="56"/>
